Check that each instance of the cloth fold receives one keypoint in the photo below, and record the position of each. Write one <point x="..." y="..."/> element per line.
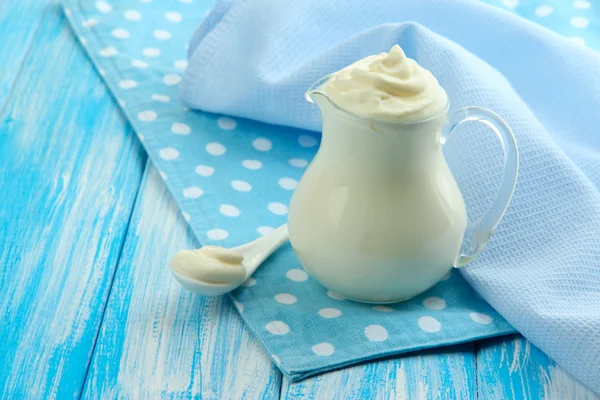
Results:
<point x="541" y="270"/>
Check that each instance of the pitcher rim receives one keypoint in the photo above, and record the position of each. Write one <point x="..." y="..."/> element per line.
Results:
<point x="314" y="89"/>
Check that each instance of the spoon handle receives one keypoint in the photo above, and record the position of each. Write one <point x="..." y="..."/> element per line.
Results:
<point x="258" y="250"/>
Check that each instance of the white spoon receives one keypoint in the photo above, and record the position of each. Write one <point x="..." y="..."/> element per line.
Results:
<point x="250" y="256"/>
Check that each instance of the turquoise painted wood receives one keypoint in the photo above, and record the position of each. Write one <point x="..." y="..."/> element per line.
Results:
<point x="83" y="287"/>
<point x="19" y="22"/>
<point x="69" y="172"/>
<point x="513" y="368"/>
<point x="443" y="374"/>
<point x="158" y="340"/>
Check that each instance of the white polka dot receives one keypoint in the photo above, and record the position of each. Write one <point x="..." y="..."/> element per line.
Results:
<point x="88" y="23"/>
<point x="323" y="349"/>
<point x="277" y="327"/>
<point x="83" y="41"/>
<point x="249" y="282"/>
<point x="582" y="4"/>
<point x="298" y="162"/>
<point x="180" y="64"/>
<point x="192" y="192"/>
<point x="103" y="7"/>
<point x="278" y="208"/>
<point x="577" y="40"/>
<point x="227" y="123"/>
<point x="216" y="149"/>
<point x="127" y="84"/>
<point x="376" y="333"/>
<point x="382" y="308"/>
<point x="147" y="116"/>
<point x="335" y="296"/>
<point x="139" y="64"/>
<point x="264" y="230"/>
<point x="121" y="103"/>
<point x="220" y="234"/>
<point x="180" y="128"/>
<point x="274" y="357"/>
<point x="101" y="72"/>
<point x="186" y="216"/>
<point x="296" y="275"/>
<point x="120" y="33"/>
<point x="285" y="298"/>
<point x="579" y="22"/>
<point x="307" y="141"/>
<point x="168" y="153"/>
<point x="108" y="51"/>
<point x="511" y="3"/>
<point x="204" y="170"/>
<point x="329" y="312"/>
<point x="151" y="52"/>
<point x="239" y="306"/>
<point x="160" y="97"/>
<point x="241" y="186"/>
<point x="543" y="11"/>
<point x="447" y="276"/>
<point x="132" y="15"/>
<point x="186" y="109"/>
<point x="141" y="137"/>
<point x="480" y="318"/>
<point x="163" y="175"/>
<point x="171" y="79"/>
<point x="429" y="324"/>
<point x="262" y="144"/>
<point x="434" y="303"/>
<point x="229" y="210"/>
<point x="161" y="34"/>
<point x="288" y="183"/>
<point x="173" y="16"/>
<point x="68" y="12"/>
<point x="252" y="164"/>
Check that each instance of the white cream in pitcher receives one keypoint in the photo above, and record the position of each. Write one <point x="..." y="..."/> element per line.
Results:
<point x="377" y="216"/>
<point x="388" y="86"/>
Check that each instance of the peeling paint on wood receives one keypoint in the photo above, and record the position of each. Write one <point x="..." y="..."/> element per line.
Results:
<point x="69" y="172"/>
<point x="446" y="374"/>
<point x="513" y="368"/>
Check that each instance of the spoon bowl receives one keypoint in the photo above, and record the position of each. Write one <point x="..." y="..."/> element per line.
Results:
<point x="253" y="253"/>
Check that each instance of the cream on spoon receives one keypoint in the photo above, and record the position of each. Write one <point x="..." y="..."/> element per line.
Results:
<point x="213" y="270"/>
<point x="210" y="264"/>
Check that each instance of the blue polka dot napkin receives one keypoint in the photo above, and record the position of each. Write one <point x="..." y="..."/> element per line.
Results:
<point x="232" y="178"/>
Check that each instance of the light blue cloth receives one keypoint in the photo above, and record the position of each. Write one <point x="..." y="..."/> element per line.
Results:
<point x="232" y="178"/>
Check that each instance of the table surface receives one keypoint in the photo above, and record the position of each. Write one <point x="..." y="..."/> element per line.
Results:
<point x="89" y="308"/>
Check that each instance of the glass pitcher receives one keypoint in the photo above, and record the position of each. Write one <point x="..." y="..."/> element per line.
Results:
<point x="378" y="217"/>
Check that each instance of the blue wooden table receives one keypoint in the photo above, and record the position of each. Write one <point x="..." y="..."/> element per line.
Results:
<point x="89" y="308"/>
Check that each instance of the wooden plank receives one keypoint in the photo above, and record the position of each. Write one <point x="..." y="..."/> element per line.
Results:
<point x="513" y="368"/>
<point x="19" y="22"/>
<point x="69" y="172"/>
<point x="447" y="373"/>
<point x="158" y="340"/>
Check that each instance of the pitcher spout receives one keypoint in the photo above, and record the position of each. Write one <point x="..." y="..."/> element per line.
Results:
<point x="315" y="90"/>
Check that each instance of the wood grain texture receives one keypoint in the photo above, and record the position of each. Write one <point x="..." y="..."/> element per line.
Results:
<point x="19" y="22"/>
<point x="69" y="173"/>
<point x="448" y="373"/>
<point x="160" y="341"/>
<point x="513" y="368"/>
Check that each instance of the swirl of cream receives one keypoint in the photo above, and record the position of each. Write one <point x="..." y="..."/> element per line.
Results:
<point x="388" y="86"/>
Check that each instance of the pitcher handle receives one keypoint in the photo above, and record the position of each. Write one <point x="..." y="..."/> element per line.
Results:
<point x="479" y="232"/>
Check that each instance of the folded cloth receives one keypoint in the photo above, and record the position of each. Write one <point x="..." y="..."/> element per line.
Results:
<point x="541" y="270"/>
